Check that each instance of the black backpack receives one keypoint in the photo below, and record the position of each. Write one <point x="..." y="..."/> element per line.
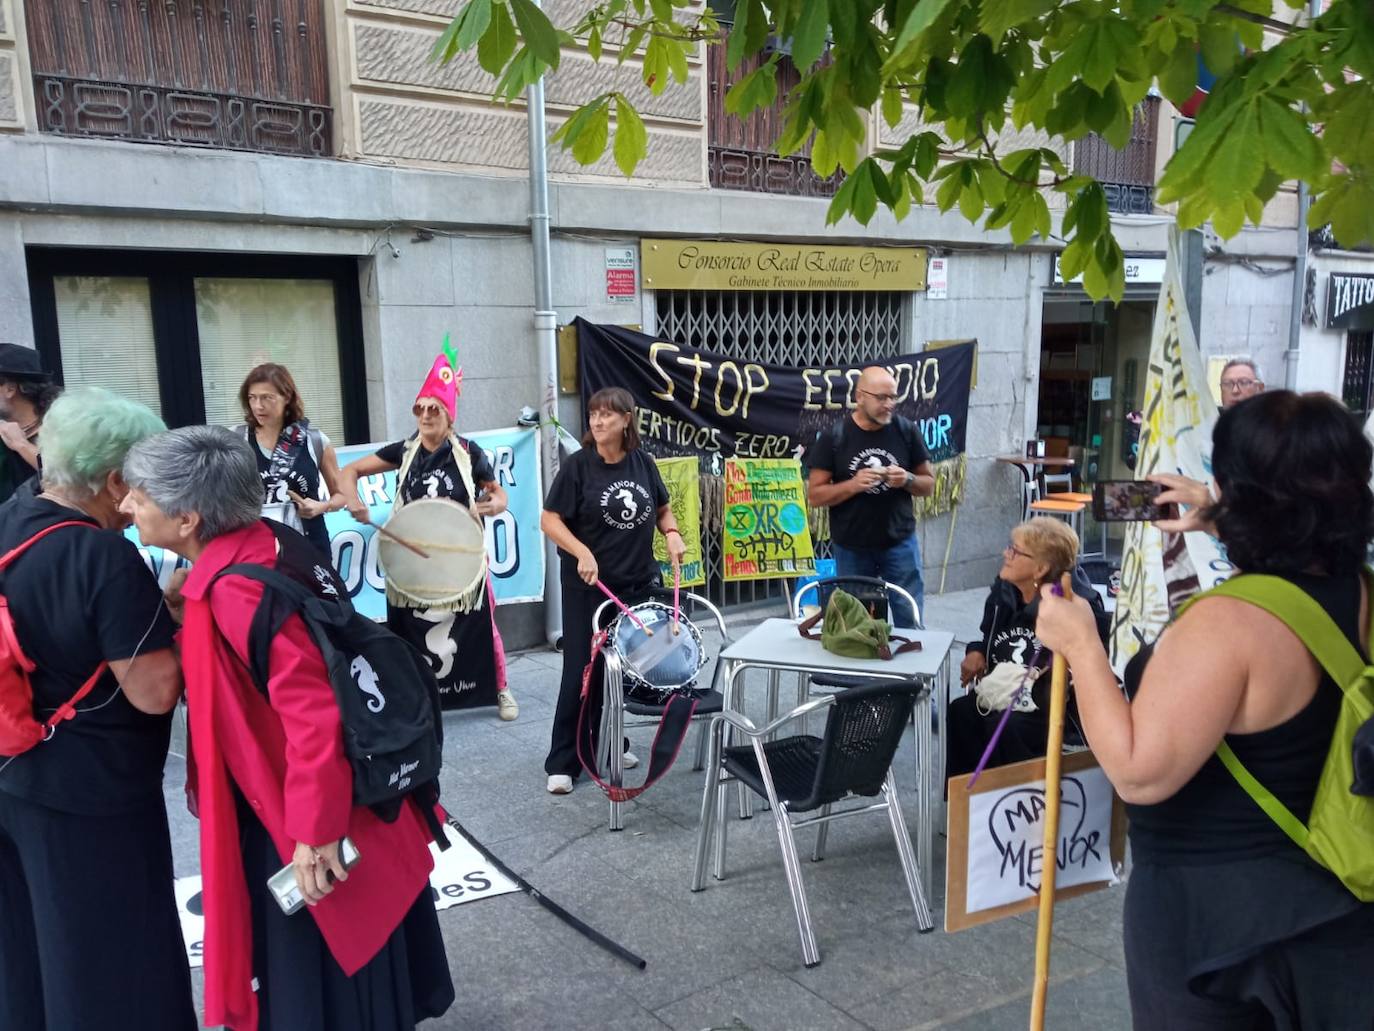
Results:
<point x="385" y="689"/>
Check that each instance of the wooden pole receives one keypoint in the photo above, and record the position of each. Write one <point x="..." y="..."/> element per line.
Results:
<point x="1054" y="747"/>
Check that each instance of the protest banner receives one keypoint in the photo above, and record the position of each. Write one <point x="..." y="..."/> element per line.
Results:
<point x="1161" y="570"/>
<point x="996" y="839"/>
<point x="691" y="401"/>
<point x="515" y="550"/>
<point x="765" y="533"/>
<point x="684" y="498"/>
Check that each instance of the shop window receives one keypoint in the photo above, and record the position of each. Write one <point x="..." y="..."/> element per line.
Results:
<point x="106" y="326"/>
<point x="178" y="332"/>
<point x="1358" y="384"/>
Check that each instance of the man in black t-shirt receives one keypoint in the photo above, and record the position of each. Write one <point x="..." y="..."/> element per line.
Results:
<point x="866" y="469"/>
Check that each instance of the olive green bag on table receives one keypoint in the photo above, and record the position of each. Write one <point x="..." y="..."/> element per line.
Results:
<point x="853" y="631"/>
<point x="1339" y="833"/>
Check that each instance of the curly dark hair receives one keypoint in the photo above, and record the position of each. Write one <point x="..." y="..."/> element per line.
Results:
<point x="1293" y="471"/>
<point x="41" y="393"/>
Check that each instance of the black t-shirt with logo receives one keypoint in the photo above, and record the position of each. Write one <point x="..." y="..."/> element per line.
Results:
<point x="881" y="516"/>
<point x="76" y="597"/>
<point x="434" y="474"/>
<point x="613" y="509"/>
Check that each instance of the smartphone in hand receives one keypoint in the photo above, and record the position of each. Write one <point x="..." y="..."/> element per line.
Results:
<point x="1127" y="501"/>
<point x="284" y="889"/>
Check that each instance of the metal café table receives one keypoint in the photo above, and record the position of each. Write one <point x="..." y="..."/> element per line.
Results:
<point x="776" y="646"/>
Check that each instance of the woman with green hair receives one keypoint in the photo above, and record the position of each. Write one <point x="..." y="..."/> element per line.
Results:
<point x="90" y="935"/>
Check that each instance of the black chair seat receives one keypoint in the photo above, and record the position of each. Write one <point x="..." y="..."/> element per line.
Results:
<point x="712" y="701"/>
<point x="792" y="761"/>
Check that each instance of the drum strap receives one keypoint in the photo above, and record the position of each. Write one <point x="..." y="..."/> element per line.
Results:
<point x="668" y="738"/>
<point x="471" y="599"/>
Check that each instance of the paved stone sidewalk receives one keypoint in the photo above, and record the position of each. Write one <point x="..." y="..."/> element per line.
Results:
<point x="727" y="957"/>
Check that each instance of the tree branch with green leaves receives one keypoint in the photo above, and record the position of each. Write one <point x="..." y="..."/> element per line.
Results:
<point x="1296" y="104"/>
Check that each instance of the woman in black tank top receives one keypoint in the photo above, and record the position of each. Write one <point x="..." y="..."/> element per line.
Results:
<point x="1228" y="924"/>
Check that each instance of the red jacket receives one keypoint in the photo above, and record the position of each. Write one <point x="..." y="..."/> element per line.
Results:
<point x="287" y="759"/>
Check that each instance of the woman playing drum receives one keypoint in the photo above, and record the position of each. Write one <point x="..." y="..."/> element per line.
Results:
<point x="458" y="636"/>
<point x="293" y="457"/>
<point x="601" y="511"/>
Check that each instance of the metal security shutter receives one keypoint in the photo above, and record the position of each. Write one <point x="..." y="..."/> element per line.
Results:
<point x="780" y="328"/>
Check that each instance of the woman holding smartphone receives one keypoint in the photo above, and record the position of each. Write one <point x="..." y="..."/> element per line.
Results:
<point x="269" y="779"/>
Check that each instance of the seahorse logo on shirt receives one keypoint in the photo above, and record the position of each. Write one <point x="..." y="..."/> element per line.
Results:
<point x="366" y="678"/>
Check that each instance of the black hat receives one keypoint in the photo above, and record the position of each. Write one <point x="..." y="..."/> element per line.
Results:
<point x="19" y="362"/>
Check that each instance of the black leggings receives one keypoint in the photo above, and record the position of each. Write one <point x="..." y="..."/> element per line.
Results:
<point x="579" y="605"/>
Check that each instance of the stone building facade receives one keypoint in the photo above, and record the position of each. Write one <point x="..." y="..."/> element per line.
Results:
<point x="405" y="189"/>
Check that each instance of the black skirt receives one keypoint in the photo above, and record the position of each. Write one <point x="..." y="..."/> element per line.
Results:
<point x="301" y="987"/>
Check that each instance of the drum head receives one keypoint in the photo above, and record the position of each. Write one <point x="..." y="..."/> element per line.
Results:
<point x="451" y="536"/>
<point x="662" y="661"/>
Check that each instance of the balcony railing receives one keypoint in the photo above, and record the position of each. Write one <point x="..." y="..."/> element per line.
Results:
<point x="742" y="152"/>
<point x="1128" y="174"/>
<point x="232" y="74"/>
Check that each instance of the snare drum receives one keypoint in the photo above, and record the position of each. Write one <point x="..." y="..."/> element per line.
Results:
<point x="660" y="665"/>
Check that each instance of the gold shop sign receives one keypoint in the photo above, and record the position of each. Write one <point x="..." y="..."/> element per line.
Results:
<point x="710" y="265"/>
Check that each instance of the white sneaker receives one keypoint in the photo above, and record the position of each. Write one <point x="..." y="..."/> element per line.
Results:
<point x="629" y="761"/>
<point x="506" y="707"/>
<point x="560" y="784"/>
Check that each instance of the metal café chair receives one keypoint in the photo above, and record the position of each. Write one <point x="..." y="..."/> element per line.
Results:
<point x="805" y="774"/>
<point x="616" y="704"/>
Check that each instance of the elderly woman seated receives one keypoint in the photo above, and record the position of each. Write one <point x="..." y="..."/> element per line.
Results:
<point x="1041" y="551"/>
<point x="271" y="783"/>
<point x="89" y="935"/>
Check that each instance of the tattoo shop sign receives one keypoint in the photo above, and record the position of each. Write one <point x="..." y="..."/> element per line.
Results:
<point x="997" y="833"/>
<point x="765" y="530"/>
<point x="697" y="402"/>
<point x="515" y="551"/>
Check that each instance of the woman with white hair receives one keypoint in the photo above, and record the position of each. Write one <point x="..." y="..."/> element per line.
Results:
<point x="270" y="780"/>
<point x="89" y="935"/>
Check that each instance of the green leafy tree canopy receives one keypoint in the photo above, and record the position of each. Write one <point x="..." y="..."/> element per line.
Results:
<point x="1293" y="103"/>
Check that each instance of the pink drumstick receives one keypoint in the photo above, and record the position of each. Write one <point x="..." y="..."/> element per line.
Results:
<point x="624" y="608"/>
<point x="677" y="587"/>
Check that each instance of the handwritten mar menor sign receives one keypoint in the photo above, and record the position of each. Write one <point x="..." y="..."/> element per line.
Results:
<point x="997" y="834"/>
<point x="765" y="533"/>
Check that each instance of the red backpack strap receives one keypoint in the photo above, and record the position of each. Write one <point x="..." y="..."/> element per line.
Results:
<point x="24" y="546"/>
<point x="68" y="709"/>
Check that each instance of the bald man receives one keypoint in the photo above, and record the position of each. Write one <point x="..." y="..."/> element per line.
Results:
<point x="866" y="469"/>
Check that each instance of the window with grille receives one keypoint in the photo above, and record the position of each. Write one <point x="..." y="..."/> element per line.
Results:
<point x="1359" y="372"/>
<point x="779" y="328"/>
<point x="1127" y="175"/>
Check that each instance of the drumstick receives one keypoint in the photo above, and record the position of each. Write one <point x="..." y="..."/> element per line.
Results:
<point x="380" y="529"/>
<point x="677" y="587"/>
<point x="624" y="608"/>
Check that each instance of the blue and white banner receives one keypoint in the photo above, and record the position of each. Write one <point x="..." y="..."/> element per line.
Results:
<point x="515" y="548"/>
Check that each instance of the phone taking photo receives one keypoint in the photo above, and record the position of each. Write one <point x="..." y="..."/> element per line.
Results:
<point x="1127" y="501"/>
<point x="287" y="892"/>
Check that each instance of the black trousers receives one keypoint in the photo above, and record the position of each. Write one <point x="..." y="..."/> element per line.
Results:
<point x="89" y="935"/>
<point x="580" y="603"/>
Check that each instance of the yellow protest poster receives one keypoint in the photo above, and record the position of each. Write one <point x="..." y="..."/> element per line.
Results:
<point x="765" y="530"/>
<point x="682" y="479"/>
